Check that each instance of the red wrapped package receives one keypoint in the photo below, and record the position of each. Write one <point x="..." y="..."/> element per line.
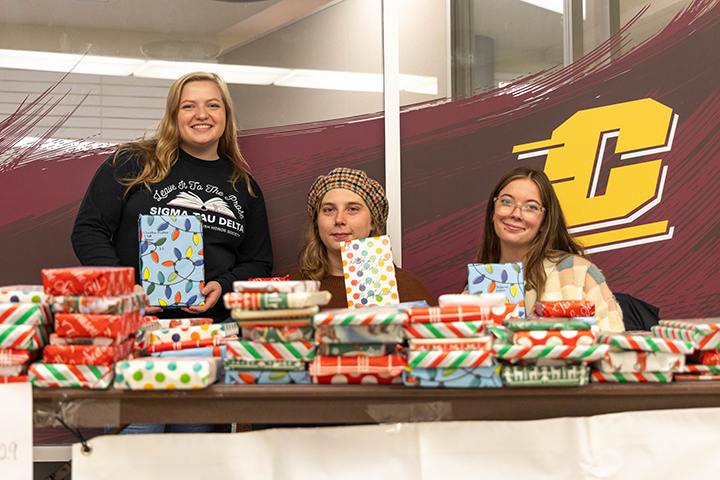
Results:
<point x="565" y="308"/>
<point x="207" y="342"/>
<point x="467" y="313"/>
<point x="87" y="354"/>
<point x="91" y="281"/>
<point x="356" y="379"/>
<point x="79" y="325"/>
<point x="553" y="337"/>
<point x="388" y="364"/>
<point x="14" y="379"/>
<point x="706" y="357"/>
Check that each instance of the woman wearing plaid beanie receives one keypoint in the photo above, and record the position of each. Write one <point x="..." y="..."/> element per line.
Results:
<point x="346" y="205"/>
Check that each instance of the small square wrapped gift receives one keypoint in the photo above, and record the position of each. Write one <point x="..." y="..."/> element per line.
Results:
<point x="181" y="373"/>
<point x="505" y="278"/>
<point x="369" y="272"/>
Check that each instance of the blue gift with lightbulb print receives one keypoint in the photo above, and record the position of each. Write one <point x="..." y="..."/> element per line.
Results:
<point x="506" y="278"/>
<point x="172" y="262"/>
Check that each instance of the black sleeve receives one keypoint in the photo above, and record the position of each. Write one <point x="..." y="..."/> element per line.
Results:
<point x="255" y="257"/>
<point x="99" y="216"/>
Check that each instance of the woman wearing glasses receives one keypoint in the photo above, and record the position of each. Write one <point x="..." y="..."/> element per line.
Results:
<point x="524" y="223"/>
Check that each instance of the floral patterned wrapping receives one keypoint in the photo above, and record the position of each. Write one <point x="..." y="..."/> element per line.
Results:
<point x="24" y="294"/>
<point x="116" y="305"/>
<point x="462" y="377"/>
<point x="151" y="373"/>
<point x="60" y="375"/>
<point x="266" y="377"/>
<point x="269" y="286"/>
<point x="88" y="354"/>
<point x="275" y="301"/>
<point x="80" y="325"/>
<point x="23" y="337"/>
<point x="565" y="308"/>
<point x="389" y="364"/>
<point x="535" y="376"/>
<point x="90" y="281"/>
<point x="554" y="337"/>
<point x="463" y="314"/>
<point x="24" y="314"/>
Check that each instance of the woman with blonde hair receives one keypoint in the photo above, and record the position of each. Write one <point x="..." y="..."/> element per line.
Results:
<point x="190" y="165"/>
<point x="525" y="223"/>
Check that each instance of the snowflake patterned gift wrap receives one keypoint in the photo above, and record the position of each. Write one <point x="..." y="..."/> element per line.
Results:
<point x="151" y="373"/>
<point x="24" y="314"/>
<point x="457" y="358"/>
<point x="704" y="333"/>
<point x="637" y="377"/>
<point x="553" y="337"/>
<point x="505" y="278"/>
<point x="462" y="377"/>
<point x="60" y="375"/>
<point x="581" y="353"/>
<point x="565" y="308"/>
<point x="545" y="376"/>
<point x="643" y="341"/>
<point x="631" y="361"/>
<point x="88" y="354"/>
<point x="24" y="294"/>
<point x="443" y="330"/>
<point x="89" y="281"/>
<point x="23" y="337"/>
<point x="266" y="377"/>
<point x="115" y="305"/>
<point x="361" y="316"/>
<point x="359" y="334"/>
<point x="369" y="272"/>
<point x="463" y="314"/>
<point x="255" y="286"/>
<point x="275" y="301"/>
<point x="172" y="262"/>
<point x="304" y="351"/>
<point x="81" y="325"/>
<point x="192" y="333"/>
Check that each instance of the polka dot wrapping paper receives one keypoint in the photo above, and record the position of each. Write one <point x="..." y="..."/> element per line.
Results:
<point x="369" y="272"/>
<point x="24" y="294"/>
<point x="188" y="373"/>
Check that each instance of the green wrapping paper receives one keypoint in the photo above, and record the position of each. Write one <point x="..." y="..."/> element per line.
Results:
<point x="518" y="325"/>
<point x="535" y="376"/>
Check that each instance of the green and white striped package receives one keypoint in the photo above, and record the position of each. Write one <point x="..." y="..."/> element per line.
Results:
<point x="444" y="329"/>
<point x="643" y="377"/>
<point x="304" y="351"/>
<point x="61" y="375"/>
<point x="582" y="353"/>
<point x="361" y="316"/>
<point x="457" y="358"/>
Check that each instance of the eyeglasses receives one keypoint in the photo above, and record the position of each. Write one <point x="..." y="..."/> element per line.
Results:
<point x="505" y="206"/>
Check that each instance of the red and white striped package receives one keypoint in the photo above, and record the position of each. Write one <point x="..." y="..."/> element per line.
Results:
<point x="565" y="308"/>
<point x="79" y="325"/>
<point x="703" y="337"/>
<point x="582" y="353"/>
<point x="463" y="314"/>
<point x="388" y="364"/>
<point x="643" y="377"/>
<point x="450" y="344"/>
<point x="87" y="354"/>
<point x="24" y="314"/>
<point x="90" y="281"/>
<point x="23" y="337"/>
<point x="208" y="342"/>
<point x="695" y="368"/>
<point x="707" y="377"/>
<point x="10" y="357"/>
<point x="244" y="350"/>
<point x="553" y="337"/>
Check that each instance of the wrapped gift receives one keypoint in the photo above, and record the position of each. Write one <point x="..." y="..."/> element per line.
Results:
<point x="631" y="361"/>
<point x="14" y="379"/>
<point x="361" y="316"/>
<point x="55" y="339"/>
<point x="269" y="318"/>
<point x="706" y="357"/>
<point x="437" y="358"/>
<point x="119" y="304"/>
<point x="463" y="377"/>
<point x="13" y="370"/>
<point x="700" y="324"/>
<point x="684" y="377"/>
<point x="355" y="349"/>
<point x="541" y="323"/>
<point x="392" y="365"/>
<point x="9" y="357"/>
<point x="463" y="314"/>
<point x="304" y="351"/>
<point x="24" y="294"/>
<point x="151" y="373"/>
<point x="356" y="379"/>
<point x="565" y="308"/>
<point x="583" y="353"/>
<point x="537" y="376"/>
<point x="443" y="330"/>
<point x="359" y="334"/>
<point x="369" y="272"/>
<point x="479" y="300"/>
<point x="275" y="301"/>
<point x="80" y="325"/>
<point x="23" y="314"/>
<point x="87" y="354"/>
<point x="212" y="351"/>
<point x="694" y="368"/>
<point x="498" y="332"/>
<point x="238" y="364"/>
<point x="654" y="377"/>
<point x="215" y="341"/>
<point x="553" y="337"/>
<point x="505" y="278"/>
<point x="640" y="341"/>
<point x="165" y="323"/>
<point x="60" y="375"/>
<point x="450" y="344"/>
<point x="258" y="286"/>
<point x="704" y="336"/>
<point x="269" y="279"/>
<point x="279" y="334"/>
<point x="90" y="281"/>
<point x="266" y="377"/>
<point x="172" y="264"/>
<point x="23" y="337"/>
<point x="193" y="333"/>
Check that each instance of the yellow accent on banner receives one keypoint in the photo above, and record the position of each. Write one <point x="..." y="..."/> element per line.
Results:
<point x="621" y="234"/>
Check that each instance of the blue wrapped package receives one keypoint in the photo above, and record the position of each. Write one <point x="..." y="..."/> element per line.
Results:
<point x="453" y="377"/>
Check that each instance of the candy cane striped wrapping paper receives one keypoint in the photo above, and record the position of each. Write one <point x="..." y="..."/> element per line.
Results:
<point x="444" y="330"/>
<point x="23" y="337"/>
<point x="392" y="365"/>
<point x="647" y="343"/>
<point x="463" y="314"/>
<point x="275" y="301"/>
<point x="583" y="353"/>
<point x="60" y="375"/>
<point x="553" y="337"/>
<point x="361" y="316"/>
<point x="694" y="368"/>
<point x="436" y="358"/>
<point x="23" y="314"/>
<point x="701" y="338"/>
<point x="90" y="281"/>
<point x="700" y="324"/>
<point x="114" y="305"/>
<point x="24" y="294"/>
<point x="243" y="350"/>
<point x="654" y="377"/>
<point x="255" y="286"/>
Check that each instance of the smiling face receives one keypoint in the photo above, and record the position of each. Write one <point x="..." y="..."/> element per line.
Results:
<point x="343" y="215"/>
<point x="201" y="119"/>
<point x="516" y="230"/>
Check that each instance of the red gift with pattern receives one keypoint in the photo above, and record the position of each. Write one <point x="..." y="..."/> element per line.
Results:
<point x="444" y="330"/>
<point x="553" y="337"/>
<point x="644" y="341"/>
<point x="454" y="359"/>
<point x="565" y="308"/>
<point x="450" y="344"/>
<point x="90" y="281"/>
<point x="706" y="357"/>
<point x="326" y="365"/>
<point x="87" y="354"/>
<point x="114" y="305"/>
<point x="79" y="325"/>
<point x="463" y="314"/>
<point x="14" y="379"/>
<point x="683" y="377"/>
<point x="356" y="379"/>
<point x="9" y="357"/>
<point x="215" y="341"/>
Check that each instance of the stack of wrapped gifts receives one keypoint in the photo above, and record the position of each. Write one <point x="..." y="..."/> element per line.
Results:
<point x="553" y="349"/>
<point x="449" y="346"/>
<point x="359" y="345"/>
<point x="187" y="335"/>
<point x="277" y="335"/>
<point x="95" y="325"/>
<point x="25" y="323"/>
<point x="639" y="357"/>
<point x="704" y="335"/>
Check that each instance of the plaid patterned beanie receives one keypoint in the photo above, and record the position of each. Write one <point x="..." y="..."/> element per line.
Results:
<point x="356" y="181"/>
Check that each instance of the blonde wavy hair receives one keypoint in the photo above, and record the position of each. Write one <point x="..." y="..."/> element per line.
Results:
<point x="159" y="151"/>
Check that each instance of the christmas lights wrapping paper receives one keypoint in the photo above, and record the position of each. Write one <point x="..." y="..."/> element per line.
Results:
<point x="535" y="376"/>
<point x="359" y="334"/>
<point x="23" y="314"/>
<point x="215" y="341"/>
<point x="646" y="343"/>
<point x="302" y="333"/>
<point x="55" y="339"/>
<point x="87" y="354"/>
<point x="275" y="301"/>
<point x="462" y="377"/>
<point x="565" y="308"/>
<point x="553" y="337"/>
<point x="582" y="353"/>
<point x="505" y="278"/>
<point x="267" y="377"/>
<point x="151" y="373"/>
<point x="541" y="323"/>
<point x="24" y="294"/>
<point x="119" y="304"/>
<point x="54" y="375"/>
<point x="356" y="379"/>
<point x="450" y="344"/>
<point x="212" y="351"/>
<point x="643" y="377"/>
<point x="463" y="314"/>
<point x="361" y="316"/>
<point x="392" y="365"/>
<point x="639" y="361"/>
<point x="435" y="358"/>
<point x="237" y="364"/>
<point x="704" y="333"/>
<point x="23" y="337"/>
<point x="369" y="272"/>
<point x="443" y="330"/>
<point x="80" y="325"/>
<point x="355" y="349"/>
<point x="192" y="333"/>
<point x="304" y="351"/>
<point x="250" y="286"/>
<point x="172" y="262"/>
<point x="89" y="281"/>
<point x="706" y="357"/>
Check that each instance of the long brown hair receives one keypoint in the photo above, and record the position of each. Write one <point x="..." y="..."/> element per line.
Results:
<point x="553" y="240"/>
<point x="159" y="151"/>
